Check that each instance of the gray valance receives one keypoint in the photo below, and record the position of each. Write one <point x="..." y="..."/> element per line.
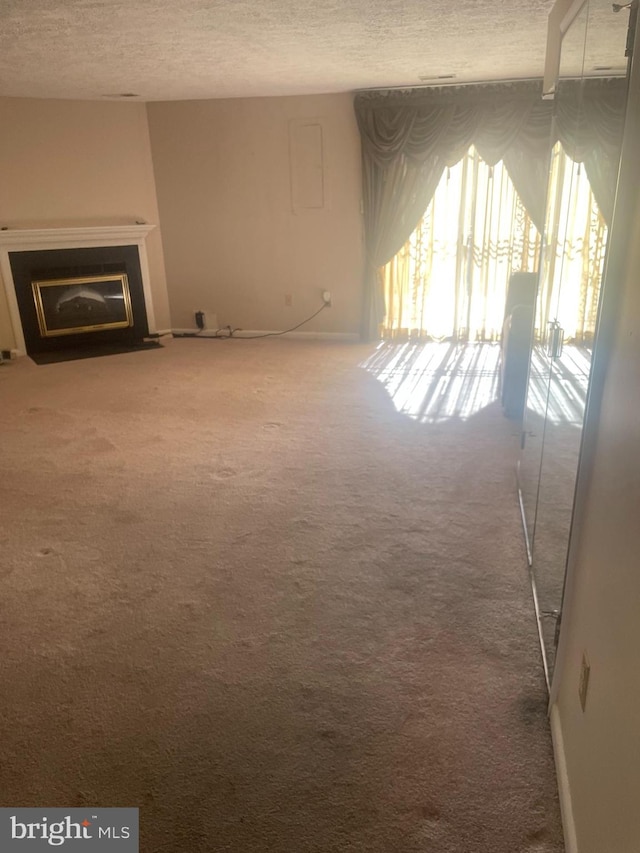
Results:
<point x="588" y="121"/>
<point x="410" y="136"/>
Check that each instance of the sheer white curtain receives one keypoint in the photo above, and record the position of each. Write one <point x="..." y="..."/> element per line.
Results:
<point x="450" y="279"/>
<point x="574" y="252"/>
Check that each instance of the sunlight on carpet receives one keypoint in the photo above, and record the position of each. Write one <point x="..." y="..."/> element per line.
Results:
<point x="437" y="381"/>
<point x="568" y="379"/>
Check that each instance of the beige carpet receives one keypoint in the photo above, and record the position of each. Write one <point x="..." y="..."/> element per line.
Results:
<point x="240" y="591"/>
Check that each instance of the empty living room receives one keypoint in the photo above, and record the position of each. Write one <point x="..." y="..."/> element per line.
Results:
<point x="319" y="412"/>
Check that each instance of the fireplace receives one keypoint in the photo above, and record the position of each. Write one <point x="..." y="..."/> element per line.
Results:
<point x="77" y="288"/>
<point x="85" y="297"/>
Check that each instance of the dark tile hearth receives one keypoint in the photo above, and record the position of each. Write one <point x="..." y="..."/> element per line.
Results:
<point x="76" y="353"/>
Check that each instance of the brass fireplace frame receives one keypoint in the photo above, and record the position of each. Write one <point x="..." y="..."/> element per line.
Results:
<point x="45" y="331"/>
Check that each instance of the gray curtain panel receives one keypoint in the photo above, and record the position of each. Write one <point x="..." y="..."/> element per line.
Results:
<point x="410" y="136"/>
<point x="589" y="122"/>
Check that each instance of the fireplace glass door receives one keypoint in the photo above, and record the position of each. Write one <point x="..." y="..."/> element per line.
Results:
<point x="71" y="306"/>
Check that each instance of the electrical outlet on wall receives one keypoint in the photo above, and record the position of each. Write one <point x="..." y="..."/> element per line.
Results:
<point x="326" y="297"/>
<point x="208" y="318"/>
<point x="583" y="685"/>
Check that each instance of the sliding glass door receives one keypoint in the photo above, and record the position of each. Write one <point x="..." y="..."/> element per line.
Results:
<point x="449" y="281"/>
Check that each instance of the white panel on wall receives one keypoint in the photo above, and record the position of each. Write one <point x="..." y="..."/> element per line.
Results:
<point x="306" y="161"/>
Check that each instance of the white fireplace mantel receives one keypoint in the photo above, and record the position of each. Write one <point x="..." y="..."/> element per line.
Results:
<point x="36" y="239"/>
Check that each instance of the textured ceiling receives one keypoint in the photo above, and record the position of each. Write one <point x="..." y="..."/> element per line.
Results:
<point x="185" y="49"/>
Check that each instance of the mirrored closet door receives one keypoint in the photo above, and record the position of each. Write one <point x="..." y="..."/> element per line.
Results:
<point x="589" y="105"/>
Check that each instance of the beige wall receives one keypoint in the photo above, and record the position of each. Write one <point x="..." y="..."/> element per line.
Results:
<point x="234" y="244"/>
<point x="602" y="608"/>
<point x="78" y="163"/>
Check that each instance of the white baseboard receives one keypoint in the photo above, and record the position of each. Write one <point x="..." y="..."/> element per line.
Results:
<point x="351" y="337"/>
<point x="564" y="789"/>
<point x="347" y="337"/>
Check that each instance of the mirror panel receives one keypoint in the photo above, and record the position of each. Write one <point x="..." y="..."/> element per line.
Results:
<point x="588" y="120"/>
<point x="556" y="305"/>
<point x="551" y="261"/>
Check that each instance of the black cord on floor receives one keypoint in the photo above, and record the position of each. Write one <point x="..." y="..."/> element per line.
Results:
<point x="274" y="334"/>
<point x="199" y="334"/>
